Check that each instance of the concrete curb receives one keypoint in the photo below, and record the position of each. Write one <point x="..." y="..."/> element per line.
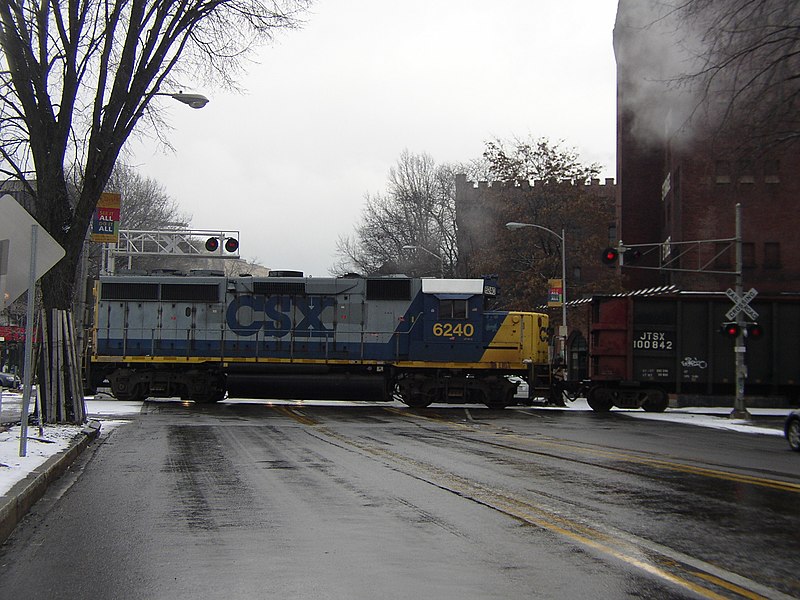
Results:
<point x="16" y="503"/>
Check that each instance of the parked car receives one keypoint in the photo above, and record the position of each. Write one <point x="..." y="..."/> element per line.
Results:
<point x="10" y="381"/>
<point x="791" y="429"/>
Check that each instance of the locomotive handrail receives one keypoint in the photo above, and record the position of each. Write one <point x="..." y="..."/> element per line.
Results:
<point x="193" y="335"/>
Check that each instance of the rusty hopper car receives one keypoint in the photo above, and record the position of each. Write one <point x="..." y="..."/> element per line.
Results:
<point x="643" y="348"/>
<point x="419" y="340"/>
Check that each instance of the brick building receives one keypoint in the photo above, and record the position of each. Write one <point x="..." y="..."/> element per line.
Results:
<point x="676" y="185"/>
<point x="482" y="211"/>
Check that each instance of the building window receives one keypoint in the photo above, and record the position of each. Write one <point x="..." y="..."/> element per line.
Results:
<point x="576" y="274"/>
<point x="772" y="255"/>
<point x="722" y="171"/>
<point x="744" y="170"/>
<point x="748" y="255"/>
<point x="772" y="171"/>
<point x="612" y="235"/>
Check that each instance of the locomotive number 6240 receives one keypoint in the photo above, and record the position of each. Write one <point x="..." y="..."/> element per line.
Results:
<point x="453" y="330"/>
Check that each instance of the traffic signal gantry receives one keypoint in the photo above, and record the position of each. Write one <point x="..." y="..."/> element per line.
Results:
<point x="198" y="243"/>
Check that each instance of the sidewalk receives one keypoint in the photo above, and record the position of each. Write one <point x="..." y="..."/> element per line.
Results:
<point x="23" y="480"/>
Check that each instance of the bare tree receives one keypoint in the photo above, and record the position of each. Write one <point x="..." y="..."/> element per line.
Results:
<point x="411" y="227"/>
<point x="748" y="66"/>
<point x="78" y="77"/>
<point x="724" y="69"/>
<point x="146" y="206"/>
<point x="145" y="202"/>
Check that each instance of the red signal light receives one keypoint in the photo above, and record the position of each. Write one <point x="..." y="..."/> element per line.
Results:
<point x="730" y="329"/>
<point x="610" y="255"/>
<point x="231" y="245"/>
<point x="754" y="331"/>
<point x="212" y="244"/>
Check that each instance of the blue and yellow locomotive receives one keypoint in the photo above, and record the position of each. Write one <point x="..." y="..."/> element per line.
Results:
<point x="204" y="335"/>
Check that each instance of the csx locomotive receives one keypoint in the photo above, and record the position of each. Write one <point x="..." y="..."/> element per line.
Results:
<point x="204" y="335"/>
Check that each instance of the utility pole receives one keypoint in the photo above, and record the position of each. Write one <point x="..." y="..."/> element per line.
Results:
<point x="739" y="408"/>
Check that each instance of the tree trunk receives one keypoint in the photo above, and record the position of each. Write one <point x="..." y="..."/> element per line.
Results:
<point x="60" y="381"/>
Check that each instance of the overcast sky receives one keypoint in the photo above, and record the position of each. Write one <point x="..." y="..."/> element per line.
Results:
<point x="329" y="108"/>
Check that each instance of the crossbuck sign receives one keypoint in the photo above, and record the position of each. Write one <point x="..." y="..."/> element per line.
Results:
<point x="741" y="304"/>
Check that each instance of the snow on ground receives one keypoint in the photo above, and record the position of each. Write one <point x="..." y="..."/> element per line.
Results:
<point x="52" y="439"/>
<point x="112" y="413"/>
<point x="715" y="417"/>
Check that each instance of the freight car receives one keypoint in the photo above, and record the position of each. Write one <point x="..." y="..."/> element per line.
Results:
<point x="204" y="335"/>
<point x="642" y="348"/>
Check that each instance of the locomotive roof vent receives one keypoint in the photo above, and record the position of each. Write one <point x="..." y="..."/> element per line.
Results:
<point x="173" y="272"/>
<point x="285" y="274"/>
<point x="207" y="273"/>
<point x="131" y="272"/>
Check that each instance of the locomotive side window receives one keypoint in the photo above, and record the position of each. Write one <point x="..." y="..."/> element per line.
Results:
<point x="453" y="309"/>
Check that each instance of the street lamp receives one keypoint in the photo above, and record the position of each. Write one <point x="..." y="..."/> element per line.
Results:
<point x="424" y="249"/>
<point x="562" y="237"/>
<point x="193" y="100"/>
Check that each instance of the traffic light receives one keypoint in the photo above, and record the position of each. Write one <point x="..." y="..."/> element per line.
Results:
<point x="231" y="244"/>
<point x="754" y="331"/>
<point x="610" y="255"/>
<point x="729" y="329"/>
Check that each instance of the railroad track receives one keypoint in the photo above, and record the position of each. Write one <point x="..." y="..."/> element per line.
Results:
<point x="551" y="514"/>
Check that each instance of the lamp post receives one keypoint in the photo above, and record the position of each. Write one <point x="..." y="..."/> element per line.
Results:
<point x="424" y="249"/>
<point x="193" y="100"/>
<point x="562" y="238"/>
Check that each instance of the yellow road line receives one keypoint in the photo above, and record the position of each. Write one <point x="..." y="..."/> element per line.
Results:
<point x="606" y="543"/>
<point x="295" y="415"/>
<point x="624" y="456"/>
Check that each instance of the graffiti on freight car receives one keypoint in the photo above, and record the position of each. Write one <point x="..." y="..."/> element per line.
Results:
<point x="689" y="362"/>
<point x="653" y="340"/>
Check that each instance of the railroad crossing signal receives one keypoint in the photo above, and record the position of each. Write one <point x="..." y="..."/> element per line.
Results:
<point x="741" y="304"/>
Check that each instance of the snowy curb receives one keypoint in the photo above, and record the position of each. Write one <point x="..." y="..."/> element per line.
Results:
<point x="16" y="503"/>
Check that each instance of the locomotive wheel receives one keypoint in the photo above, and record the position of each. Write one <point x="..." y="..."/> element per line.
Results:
<point x="657" y="401"/>
<point x="600" y="399"/>
<point x="417" y="401"/>
<point x="129" y="393"/>
<point x="209" y="396"/>
<point x="501" y="399"/>
<point x="139" y="392"/>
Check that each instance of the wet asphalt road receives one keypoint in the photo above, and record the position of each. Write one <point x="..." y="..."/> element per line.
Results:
<point x="259" y="500"/>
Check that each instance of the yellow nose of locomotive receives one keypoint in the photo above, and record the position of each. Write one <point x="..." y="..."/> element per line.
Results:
<point x="521" y="339"/>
